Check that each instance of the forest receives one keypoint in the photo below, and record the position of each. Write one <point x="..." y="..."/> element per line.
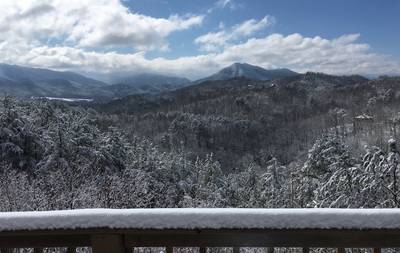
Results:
<point x="311" y="140"/>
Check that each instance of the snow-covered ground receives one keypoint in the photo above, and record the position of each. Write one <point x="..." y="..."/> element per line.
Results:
<point x="66" y="99"/>
<point x="71" y="99"/>
<point x="229" y="218"/>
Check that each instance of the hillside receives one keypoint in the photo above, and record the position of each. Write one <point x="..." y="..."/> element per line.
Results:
<point x="241" y="118"/>
<point x="235" y="143"/>
<point x="48" y="147"/>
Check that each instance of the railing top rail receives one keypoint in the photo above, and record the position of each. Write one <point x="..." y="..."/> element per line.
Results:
<point x="204" y="218"/>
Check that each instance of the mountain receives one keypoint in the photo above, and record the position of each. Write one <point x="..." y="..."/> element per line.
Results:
<point x="37" y="82"/>
<point x="211" y="89"/>
<point x="248" y="71"/>
<point x="15" y="72"/>
<point x="146" y="83"/>
<point x="240" y="118"/>
<point x="25" y="82"/>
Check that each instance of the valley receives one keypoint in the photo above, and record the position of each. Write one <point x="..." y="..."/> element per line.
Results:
<point x="237" y="142"/>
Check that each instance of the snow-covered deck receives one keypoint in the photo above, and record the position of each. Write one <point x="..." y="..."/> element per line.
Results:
<point x="204" y="218"/>
<point x="119" y="230"/>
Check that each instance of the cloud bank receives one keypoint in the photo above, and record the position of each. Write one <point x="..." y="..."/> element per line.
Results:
<point x="84" y="35"/>
<point x="86" y="24"/>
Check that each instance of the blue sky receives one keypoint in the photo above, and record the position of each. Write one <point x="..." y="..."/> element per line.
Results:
<point x="376" y="21"/>
<point x="198" y="37"/>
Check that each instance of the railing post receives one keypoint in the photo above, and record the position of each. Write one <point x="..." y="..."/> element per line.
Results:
<point x="377" y="250"/>
<point x="270" y="250"/>
<point x="340" y="250"/>
<point x="107" y="244"/>
<point x="169" y="249"/>
<point x="38" y="250"/>
<point x="203" y="250"/>
<point x="236" y="249"/>
<point x="6" y="250"/>
<point x="306" y="250"/>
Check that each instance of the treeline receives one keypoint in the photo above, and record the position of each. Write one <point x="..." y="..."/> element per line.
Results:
<point x="54" y="156"/>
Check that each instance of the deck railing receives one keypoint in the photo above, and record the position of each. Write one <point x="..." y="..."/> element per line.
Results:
<point x="120" y="231"/>
<point x="122" y="241"/>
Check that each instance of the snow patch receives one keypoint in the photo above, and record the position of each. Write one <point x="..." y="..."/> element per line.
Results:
<point x="66" y="99"/>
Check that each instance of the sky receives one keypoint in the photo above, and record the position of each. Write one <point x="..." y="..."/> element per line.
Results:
<point x="195" y="38"/>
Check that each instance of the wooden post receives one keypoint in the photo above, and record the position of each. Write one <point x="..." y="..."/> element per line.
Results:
<point x="169" y="249"/>
<point x="203" y="250"/>
<point x="270" y="250"/>
<point x="377" y="250"/>
<point x="340" y="250"/>
<point x="38" y="250"/>
<point x="107" y="244"/>
<point x="70" y="250"/>
<point x="306" y="250"/>
<point x="236" y="250"/>
<point x="6" y="250"/>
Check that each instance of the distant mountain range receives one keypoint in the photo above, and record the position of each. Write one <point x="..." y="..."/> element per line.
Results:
<point x="248" y="71"/>
<point x="36" y="82"/>
<point x="25" y="82"/>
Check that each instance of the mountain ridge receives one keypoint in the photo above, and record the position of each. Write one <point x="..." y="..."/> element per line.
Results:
<point x="39" y="82"/>
<point x="23" y="81"/>
<point x="248" y="71"/>
<point x="16" y="72"/>
<point x="146" y="83"/>
<point x="210" y="89"/>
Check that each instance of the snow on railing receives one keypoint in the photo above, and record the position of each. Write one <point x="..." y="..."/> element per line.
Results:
<point x="119" y="231"/>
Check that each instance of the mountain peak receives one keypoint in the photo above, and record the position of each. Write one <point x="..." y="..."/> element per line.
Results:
<point x="240" y="64"/>
<point x="248" y="71"/>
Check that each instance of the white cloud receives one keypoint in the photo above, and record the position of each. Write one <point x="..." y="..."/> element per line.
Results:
<point x="214" y="41"/>
<point x="343" y="55"/>
<point x="87" y="23"/>
<point x="63" y="35"/>
<point x="251" y="26"/>
<point x="222" y="4"/>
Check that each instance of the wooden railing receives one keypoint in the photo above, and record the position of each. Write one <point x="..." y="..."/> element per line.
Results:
<point x="122" y="241"/>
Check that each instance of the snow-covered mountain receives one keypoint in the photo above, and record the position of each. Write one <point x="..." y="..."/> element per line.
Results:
<point x="248" y="71"/>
